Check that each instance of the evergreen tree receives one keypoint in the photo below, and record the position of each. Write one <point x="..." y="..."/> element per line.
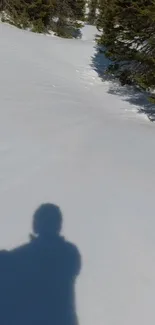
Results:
<point x="27" y="13"/>
<point x="40" y="12"/>
<point x="92" y="11"/>
<point x="79" y="9"/>
<point x="1" y="5"/>
<point x="41" y="15"/>
<point x="129" y="39"/>
<point x="63" y="13"/>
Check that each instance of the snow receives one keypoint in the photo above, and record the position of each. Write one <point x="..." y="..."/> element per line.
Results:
<point x="89" y="33"/>
<point x="64" y="139"/>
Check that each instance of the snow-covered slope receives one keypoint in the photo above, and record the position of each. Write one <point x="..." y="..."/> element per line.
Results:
<point x="65" y="140"/>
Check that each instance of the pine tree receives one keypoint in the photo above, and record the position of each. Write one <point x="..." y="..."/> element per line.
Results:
<point x="63" y="14"/>
<point x="79" y="9"/>
<point x="1" y="5"/>
<point x="42" y="15"/>
<point x="27" y="13"/>
<point x="92" y="11"/>
<point x="129" y="39"/>
<point x="40" y="12"/>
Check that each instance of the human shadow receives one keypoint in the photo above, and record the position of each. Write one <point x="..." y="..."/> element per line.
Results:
<point x="37" y="280"/>
<point x="128" y="93"/>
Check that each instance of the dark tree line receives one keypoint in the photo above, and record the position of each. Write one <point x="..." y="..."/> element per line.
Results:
<point x="42" y="15"/>
<point x="128" y="37"/>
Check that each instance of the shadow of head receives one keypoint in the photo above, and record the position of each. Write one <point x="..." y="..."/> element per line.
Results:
<point x="37" y="279"/>
<point x="47" y="220"/>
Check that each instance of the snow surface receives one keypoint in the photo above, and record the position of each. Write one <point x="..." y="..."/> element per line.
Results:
<point x="64" y="139"/>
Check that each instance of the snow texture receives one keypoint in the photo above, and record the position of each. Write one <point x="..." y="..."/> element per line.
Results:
<point x="64" y="139"/>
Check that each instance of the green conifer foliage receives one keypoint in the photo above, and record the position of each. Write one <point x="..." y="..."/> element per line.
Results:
<point x="128" y="36"/>
<point x="41" y="15"/>
<point x="92" y="11"/>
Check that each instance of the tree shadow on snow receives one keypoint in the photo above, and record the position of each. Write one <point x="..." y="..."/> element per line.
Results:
<point x="127" y="93"/>
<point x="37" y="280"/>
